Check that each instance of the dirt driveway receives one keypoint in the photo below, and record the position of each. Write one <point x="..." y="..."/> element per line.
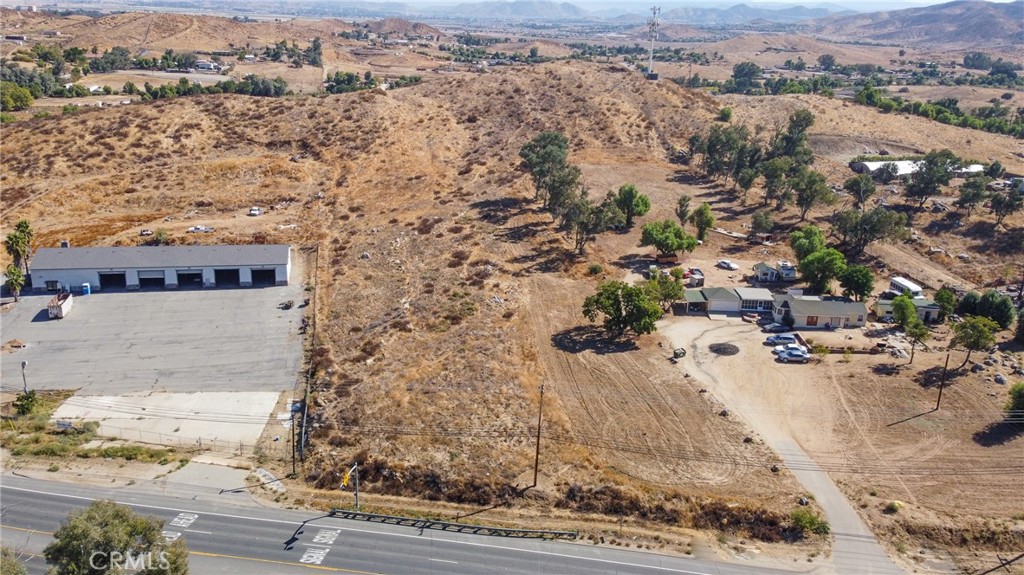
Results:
<point x="782" y="404"/>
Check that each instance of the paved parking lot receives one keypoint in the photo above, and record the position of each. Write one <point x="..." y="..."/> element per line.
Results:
<point x="177" y="341"/>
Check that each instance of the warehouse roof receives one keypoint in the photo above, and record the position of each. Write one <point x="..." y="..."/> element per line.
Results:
<point x="160" y="257"/>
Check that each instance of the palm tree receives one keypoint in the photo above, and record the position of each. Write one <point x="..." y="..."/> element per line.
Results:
<point x="16" y="245"/>
<point x="15" y="280"/>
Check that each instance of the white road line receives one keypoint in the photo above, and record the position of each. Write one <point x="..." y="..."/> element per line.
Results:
<point x="197" y="531"/>
<point x="443" y="560"/>
<point x="316" y="545"/>
<point x="386" y="533"/>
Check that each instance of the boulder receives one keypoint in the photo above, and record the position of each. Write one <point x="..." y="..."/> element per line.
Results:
<point x="977" y="367"/>
<point x="1000" y="379"/>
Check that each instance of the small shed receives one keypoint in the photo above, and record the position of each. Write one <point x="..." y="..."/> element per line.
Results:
<point x="765" y="273"/>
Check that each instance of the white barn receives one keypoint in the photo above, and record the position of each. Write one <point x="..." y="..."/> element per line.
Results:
<point x="160" y="267"/>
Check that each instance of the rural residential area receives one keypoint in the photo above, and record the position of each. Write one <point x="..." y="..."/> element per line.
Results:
<point x="518" y="287"/>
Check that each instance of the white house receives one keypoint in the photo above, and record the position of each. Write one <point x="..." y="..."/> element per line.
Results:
<point x="812" y="312"/>
<point x="903" y="167"/>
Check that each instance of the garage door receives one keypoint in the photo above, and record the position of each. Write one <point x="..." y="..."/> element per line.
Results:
<point x="190" y="279"/>
<point x="226" y="278"/>
<point x="151" y="279"/>
<point x="113" y="281"/>
<point x="264" y="277"/>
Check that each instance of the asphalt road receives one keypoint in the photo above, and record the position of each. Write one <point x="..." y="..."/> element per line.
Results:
<point x="228" y="538"/>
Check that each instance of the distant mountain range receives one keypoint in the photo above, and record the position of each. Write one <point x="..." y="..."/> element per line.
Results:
<point x="966" y="22"/>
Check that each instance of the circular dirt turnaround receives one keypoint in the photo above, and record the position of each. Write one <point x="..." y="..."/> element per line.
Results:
<point x="724" y="348"/>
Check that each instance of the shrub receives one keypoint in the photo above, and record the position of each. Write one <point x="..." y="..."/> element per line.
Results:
<point x="6" y="118"/>
<point x="893" y="507"/>
<point x="808" y="521"/>
<point x="594" y="269"/>
<point x="1016" y="402"/>
<point x="725" y="114"/>
<point x="25" y="402"/>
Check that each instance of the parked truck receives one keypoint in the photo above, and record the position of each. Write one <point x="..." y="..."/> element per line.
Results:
<point x="60" y="305"/>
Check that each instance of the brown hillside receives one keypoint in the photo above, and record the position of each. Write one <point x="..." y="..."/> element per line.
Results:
<point x="969" y="23"/>
<point x="402" y="27"/>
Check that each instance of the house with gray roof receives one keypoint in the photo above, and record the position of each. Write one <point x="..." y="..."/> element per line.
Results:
<point x="816" y="312"/>
<point x="159" y="267"/>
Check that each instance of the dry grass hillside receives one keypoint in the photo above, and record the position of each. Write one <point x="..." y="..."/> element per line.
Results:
<point x="160" y="31"/>
<point x="445" y="298"/>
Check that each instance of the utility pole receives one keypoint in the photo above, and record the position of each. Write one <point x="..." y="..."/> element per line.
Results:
<point x="536" y="456"/>
<point x="24" y="382"/>
<point x="356" y="468"/>
<point x="942" y="383"/>
<point x="294" y="446"/>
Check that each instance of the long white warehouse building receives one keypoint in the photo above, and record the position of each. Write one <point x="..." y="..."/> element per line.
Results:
<point x="160" y="267"/>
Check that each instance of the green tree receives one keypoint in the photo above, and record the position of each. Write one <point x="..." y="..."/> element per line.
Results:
<point x="624" y="307"/>
<point x="811" y="189"/>
<point x="683" y="209"/>
<point x="888" y="172"/>
<point x="725" y="114"/>
<point x="665" y="290"/>
<point x="561" y="187"/>
<point x="584" y="220"/>
<point x="14" y="97"/>
<point x="861" y="187"/>
<point x="995" y="169"/>
<point x="903" y="310"/>
<point x="792" y="143"/>
<point x="9" y="564"/>
<point x="1014" y="404"/>
<point x="667" y="237"/>
<point x="969" y="304"/>
<point x="543" y="155"/>
<point x="857" y="281"/>
<point x="827" y="61"/>
<point x="975" y="333"/>
<point x="918" y="333"/>
<point x="806" y="241"/>
<point x="109" y="528"/>
<point x="15" y="281"/>
<point x="858" y="230"/>
<point x="703" y="220"/>
<point x="17" y="246"/>
<point x="632" y="203"/>
<point x="777" y="186"/>
<point x="745" y="76"/>
<point x="1004" y="204"/>
<point x="821" y="267"/>
<point x="761" y="222"/>
<point x="946" y="300"/>
<point x="972" y="195"/>
<point x="934" y="171"/>
<point x="997" y="307"/>
<point x="745" y="179"/>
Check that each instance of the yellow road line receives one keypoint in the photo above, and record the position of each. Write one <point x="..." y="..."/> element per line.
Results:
<point x="238" y="557"/>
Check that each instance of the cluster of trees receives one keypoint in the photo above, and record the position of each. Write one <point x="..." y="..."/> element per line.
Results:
<point x="998" y="67"/>
<point x="732" y="153"/>
<point x="250" y="85"/>
<point x="974" y="193"/>
<point x="559" y="187"/>
<point x="18" y="244"/>
<point x="312" y="55"/>
<point x="343" y="82"/>
<point x="13" y="97"/>
<point x="992" y="305"/>
<point x="821" y="265"/>
<point x="997" y="118"/>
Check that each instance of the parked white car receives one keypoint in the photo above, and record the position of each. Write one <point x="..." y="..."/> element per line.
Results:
<point x="789" y="347"/>
<point x="794" y="356"/>
<point x="146" y="232"/>
<point x="255" y="211"/>
<point x="728" y="265"/>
